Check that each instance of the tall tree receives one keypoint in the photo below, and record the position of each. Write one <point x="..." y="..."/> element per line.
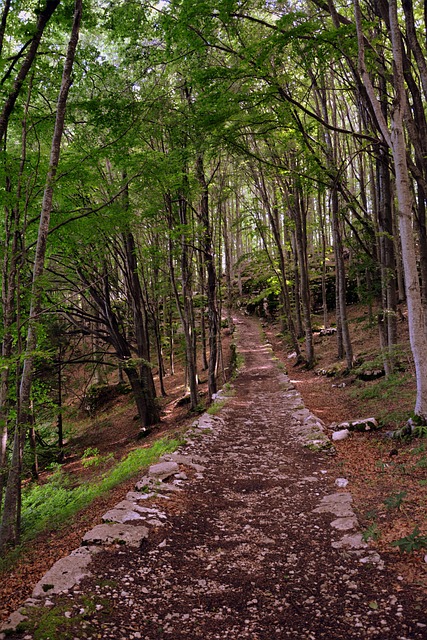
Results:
<point x="10" y="524"/>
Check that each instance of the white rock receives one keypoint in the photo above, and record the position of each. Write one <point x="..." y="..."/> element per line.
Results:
<point x="339" y="509"/>
<point x="337" y="498"/>
<point x="351" y="541"/>
<point x="12" y="622"/>
<point x="340" y="435"/>
<point x="341" y="482"/>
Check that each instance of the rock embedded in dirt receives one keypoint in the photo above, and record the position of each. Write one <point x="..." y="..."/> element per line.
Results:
<point x="104" y="534"/>
<point x="341" y="483"/>
<point x="350" y="541"/>
<point x="337" y="497"/>
<point x="330" y="331"/>
<point x="66" y="572"/>
<point x="360" y="424"/>
<point x="371" y="374"/>
<point x="126" y="511"/>
<point x="336" y="505"/>
<point x="343" y="434"/>
<point x="344" y="524"/>
<point x="163" y="470"/>
<point x="186" y="460"/>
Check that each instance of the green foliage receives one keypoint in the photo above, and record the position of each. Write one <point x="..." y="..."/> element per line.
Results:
<point x="412" y="542"/>
<point x="396" y="418"/>
<point x="52" y="623"/>
<point x="420" y="431"/>
<point x="216" y="407"/>
<point x="236" y="361"/>
<point x="419" y="449"/>
<point x="90" y="452"/>
<point x="375" y="360"/>
<point x="99" y="394"/>
<point x="51" y="504"/>
<point x="383" y="388"/>
<point x="91" y="458"/>
<point x="371" y="532"/>
<point x="395" y="501"/>
<point x="421" y="463"/>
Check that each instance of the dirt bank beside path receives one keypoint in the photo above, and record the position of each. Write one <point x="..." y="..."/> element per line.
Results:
<point x="246" y="550"/>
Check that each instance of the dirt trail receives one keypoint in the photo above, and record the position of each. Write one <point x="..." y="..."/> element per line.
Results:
<point x="242" y="554"/>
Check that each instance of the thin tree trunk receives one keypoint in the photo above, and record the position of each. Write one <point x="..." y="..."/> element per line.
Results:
<point x="205" y="364"/>
<point x="42" y="20"/>
<point x="184" y="305"/>
<point x="340" y="283"/>
<point x="11" y="520"/>
<point x="301" y="244"/>
<point x="228" y="267"/>
<point x="151" y="411"/>
<point x="297" y="288"/>
<point x="322" y="221"/>
<point x="208" y="257"/>
<point x="4" y="16"/>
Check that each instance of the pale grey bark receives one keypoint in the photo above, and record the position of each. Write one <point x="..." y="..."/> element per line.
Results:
<point x="417" y="334"/>
<point x="395" y="138"/>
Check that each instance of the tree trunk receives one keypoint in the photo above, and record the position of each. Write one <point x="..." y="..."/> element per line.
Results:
<point x="416" y="321"/>
<point x="42" y="20"/>
<point x="322" y="222"/>
<point x="397" y="143"/>
<point x="151" y="410"/>
<point x="340" y="282"/>
<point x="228" y="267"/>
<point x="297" y="288"/>
<point x="184" y="305"/>
<point x="301" y="244"/>
<point x="387" y="259"/>
<point x="208" y="257"/>
<point x="10" y="525"/>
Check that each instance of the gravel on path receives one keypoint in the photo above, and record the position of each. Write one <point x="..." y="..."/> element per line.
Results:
<point x="249" y="547"/>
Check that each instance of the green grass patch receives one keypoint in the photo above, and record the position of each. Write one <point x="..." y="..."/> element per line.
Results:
<point x="54" y="624"/>
<point x="384" y="388"/>
<point x="50" y="505"/>
<point x="216" y="407"/>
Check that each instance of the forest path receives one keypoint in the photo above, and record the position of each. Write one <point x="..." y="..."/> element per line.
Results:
<point x="242" y="553"/>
